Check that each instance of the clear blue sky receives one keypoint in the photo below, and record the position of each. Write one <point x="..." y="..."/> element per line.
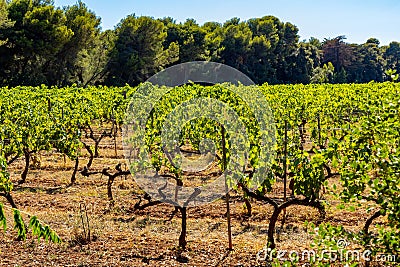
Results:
<point x="357" y="19"/>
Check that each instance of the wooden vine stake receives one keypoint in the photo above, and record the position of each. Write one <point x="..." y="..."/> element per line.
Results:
<point x="285" y="170"/>
<point x="115" y="139"/>
<point x="115" y="130"/>
<point x="228" y="212"/>
<point x="319" y="131"/>
<point x="85" y="222"/>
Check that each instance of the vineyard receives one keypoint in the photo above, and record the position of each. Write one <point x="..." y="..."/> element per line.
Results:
<point x="70" y="198"/>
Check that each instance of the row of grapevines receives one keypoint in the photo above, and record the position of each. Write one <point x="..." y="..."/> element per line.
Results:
<point x="35" y="119"/>
<point x="322" y="131"/>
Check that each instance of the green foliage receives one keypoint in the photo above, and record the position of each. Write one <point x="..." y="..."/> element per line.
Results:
<point x="352" y="130"/>
<point x="61" y="117"/>
<point x="392" y="75"/>
<point x="236" y="39"/>
<point x="392" y="56"/>
<point x="80" y="55"/>
<point x="371" y="167"/>
<point x="323" y="74"/>
<point x="189" y="37"/>
<point x="43" y="231"/>
<point x="38" y="34"/>
<point x="308" y="173"/>
<point x="337" y="51"/>
<point x="42" y="44"/>
<point x="302" y="63"/>
<point x="3" y="219"/>
<point x="19" y="225"/>
<point x="138" y="52"/>
<point x="6" y="185"/>
<point x="369" y="60"/>
<point x="4" y="21"/>
<point x="38" y="229"/>
<point x="92" y="61"/>
<point x="193" y="128"/>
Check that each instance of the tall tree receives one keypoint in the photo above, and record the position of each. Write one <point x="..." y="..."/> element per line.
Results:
<point x="236" y="43"/>
<point x="302" y="63"/>
<point x="69" y="63"/>
<point x="38" y="34"/>
<point x="92" y="62"/>
<point x="336" y="51"/>
<point x="367" y="63"/>
<point x="287" y="49"/>
<point x="213" y="40"/>
<point x="392" y="56"/>
<point x="260" y="63"/>
<point x="263" y="59"/>
<point x="43" y="44"/>
<point x="315" y="42"/>
<point x="324" y="74"/>
<point x="5" y="22"/>
<point x="373" y="61"/>
<point x="190" y="37"/>
<point x="139" y="51"/>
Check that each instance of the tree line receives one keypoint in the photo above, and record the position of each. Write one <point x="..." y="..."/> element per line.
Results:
<point x="43" y="44"/>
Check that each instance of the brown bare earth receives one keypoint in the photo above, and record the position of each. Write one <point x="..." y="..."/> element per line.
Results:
<point x="121" y="236"/>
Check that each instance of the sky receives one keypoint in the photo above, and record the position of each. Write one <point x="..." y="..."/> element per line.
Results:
<point x="358" y="20"/>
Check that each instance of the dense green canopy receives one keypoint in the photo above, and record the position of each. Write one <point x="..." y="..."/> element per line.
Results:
<point x="43" y="44"/>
